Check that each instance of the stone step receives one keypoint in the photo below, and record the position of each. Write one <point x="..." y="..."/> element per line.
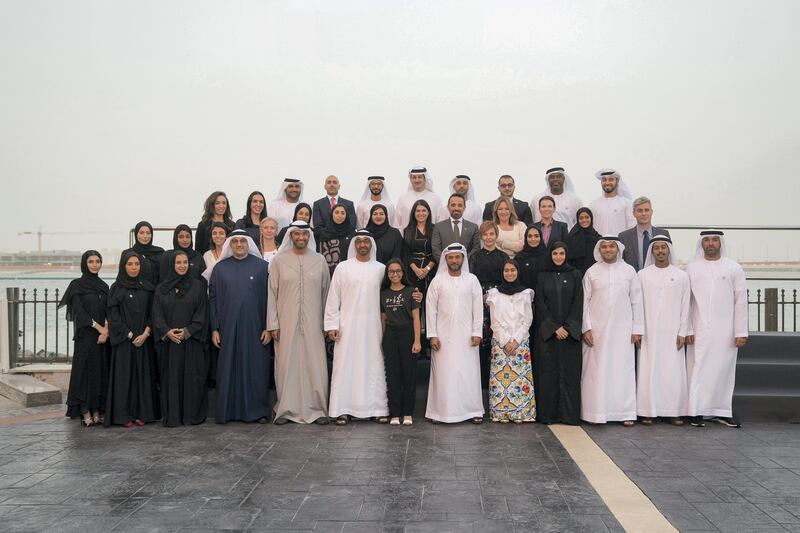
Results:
<point x="28" y="391"/>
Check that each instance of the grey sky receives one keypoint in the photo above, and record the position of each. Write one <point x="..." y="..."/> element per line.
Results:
<point x="117" y="111"/>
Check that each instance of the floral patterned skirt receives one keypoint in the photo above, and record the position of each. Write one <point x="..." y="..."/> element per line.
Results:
<point x="511" y="395"/>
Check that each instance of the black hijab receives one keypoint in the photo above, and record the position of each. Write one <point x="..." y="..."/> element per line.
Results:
<point x="550" y="266"/>
<point x="581" y="241"/>
<point x="532" y="253"/>
<point x="376" y="230"/>
<point x="88" y="283"/>
<point x="148" y="249"/>
<point x="173" y="280"/>
<point x="300" y="206"/>
<point x="127" y="282"/>
<point x="513" y="287"/>
<point x="337" y="231"/>
<point x="189" y="250"/>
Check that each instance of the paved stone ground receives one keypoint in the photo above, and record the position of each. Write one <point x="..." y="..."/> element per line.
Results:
<point x="713" y="478"/>
<point x="56" y="476"/>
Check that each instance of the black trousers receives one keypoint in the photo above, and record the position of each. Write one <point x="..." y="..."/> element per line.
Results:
<point x="401" y="370"/>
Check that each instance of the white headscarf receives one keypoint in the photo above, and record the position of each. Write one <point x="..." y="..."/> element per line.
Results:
<point x="568" y="186"/>
<point x="650" y="260"/>
<point x="470" y="192"/>
<point x="287" y="244"/>
<point x="282" y="192"/>
<point x="424" y="172"/>
<point x="453" y="248"/>
<point x="384" y="193"/>
<point x="723" y="250"/>
<point x="622" y="187"/>
<point x="606" y="238"/>
<point x="351" y="250"/>
<point x="227" y="252"/>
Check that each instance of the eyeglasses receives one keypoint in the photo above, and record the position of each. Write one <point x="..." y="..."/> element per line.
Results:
<point x="390" y="272"/>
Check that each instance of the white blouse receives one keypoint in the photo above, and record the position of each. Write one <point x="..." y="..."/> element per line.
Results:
<point x="513" y="240"/>
<point x="511" y="316"/>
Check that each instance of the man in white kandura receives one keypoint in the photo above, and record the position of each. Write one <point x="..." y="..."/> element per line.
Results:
<point x="375" y="192"/>
<point x="462" y="185"/>
<point x="718" y="328"/>
<point x="613" y="323"/>
<point x="283" y="206"/>
<point x="613" y="211"/>
<point x="298" y="286"/>
<point x="661" y="373"/>
<point x="353" y="322"/>
<point x="559" y="185"/>
<point x="420" y="187"/>
<point x="454" y="310"/>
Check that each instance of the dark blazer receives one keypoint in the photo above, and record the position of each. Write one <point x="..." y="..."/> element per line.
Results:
<point x="558" y="232"/>
<point x="443" y="237"/>
<point x="522" y="208"/>
<point x="321" y="212"/>
<point x="630" y="240"/>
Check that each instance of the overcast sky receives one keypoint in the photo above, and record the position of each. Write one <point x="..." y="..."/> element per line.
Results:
<point x="112" y="112"/>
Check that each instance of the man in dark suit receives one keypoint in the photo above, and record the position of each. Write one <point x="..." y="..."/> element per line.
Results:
<point x="455" y="228"/>
<point x="552" y="230"/>
<point x="506" y="187"/>
<point x="321" y="211"/>
<point x="637" y="238"/>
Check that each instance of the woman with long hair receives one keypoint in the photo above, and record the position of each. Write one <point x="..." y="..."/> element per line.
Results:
<point x="255" y="212"/>
<point x="219" y="234"/>
<point x="215" y="209"/>
<point x="510" y="231"/>
<point x="132" y="389"/>
<point x="86" y="299"/>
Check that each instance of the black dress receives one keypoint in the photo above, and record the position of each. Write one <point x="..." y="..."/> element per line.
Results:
<point x="183" y="368"/>
<point x="254" y="230"/>
<point x="88" y="381"/>
<point x="132" y="389"/>
<point x="197" y="264"/>
<point x="558" y="302"/>
<point x="390" y="245"/>
<point x="202" y="237"/>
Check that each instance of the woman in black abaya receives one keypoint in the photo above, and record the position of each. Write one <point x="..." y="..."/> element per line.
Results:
<point x="182" y="242"/>
<point x="150" y="254"/>
<point x="388" y="240"/>
<point x="180" y="327"/>
<point x="86" y="299"/>
<point x="301" y="212"/>
<point x="334" y="238"/>
<point x="581" y="241"/>
<point x="559" y="359"/>
<point x="132" y="391"/>
<point x="531" y="257"/>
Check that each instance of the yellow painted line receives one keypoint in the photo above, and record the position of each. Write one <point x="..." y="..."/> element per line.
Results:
<point x="626" y="501"/>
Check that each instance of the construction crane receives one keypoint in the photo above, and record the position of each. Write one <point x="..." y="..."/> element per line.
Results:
<point x="39" y="234"/>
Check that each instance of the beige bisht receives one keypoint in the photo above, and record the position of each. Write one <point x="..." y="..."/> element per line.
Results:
<point x="298" y="286"/>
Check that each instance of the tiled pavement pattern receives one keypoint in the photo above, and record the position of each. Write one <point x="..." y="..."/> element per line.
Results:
<point x="713" y="478"/>
<point x="363" y="477"/>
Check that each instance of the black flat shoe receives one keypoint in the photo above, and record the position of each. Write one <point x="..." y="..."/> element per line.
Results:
<point x="322" y="421"/>
<point x="281" y="421"/>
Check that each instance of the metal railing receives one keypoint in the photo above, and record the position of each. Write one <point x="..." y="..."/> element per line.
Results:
<point x="38" y="330"/>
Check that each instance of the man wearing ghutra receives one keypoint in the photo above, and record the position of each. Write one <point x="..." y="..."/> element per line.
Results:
<point x="613" y="211"/>
<point x="558" y="185"/>
<point x="420" y="187"/>
<point x="661" y="372"/>
<point x="298" y="286"/>
<point x="454" y="310"/>
<point x="612" y="324"/>
<point x="375" y="192"/>
<point x="717" y="330"/>
<point x="353" y="322"/>
<point x="283" y="206"/>
<point x="238" y="309"/>
<point x="462" y="184"/>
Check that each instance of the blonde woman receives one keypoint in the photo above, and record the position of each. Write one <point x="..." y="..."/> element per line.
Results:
<point x="510" y="231"/>
<point x="268" y="245"/>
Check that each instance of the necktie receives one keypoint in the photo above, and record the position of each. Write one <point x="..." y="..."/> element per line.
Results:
<point x="456" y="232"/>
<point x="333" y="202"/>
<point x="645" y="245"/>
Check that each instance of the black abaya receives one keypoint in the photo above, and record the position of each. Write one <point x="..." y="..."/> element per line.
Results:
<point x="183" y="368"/>
<point x="558" y="302"/>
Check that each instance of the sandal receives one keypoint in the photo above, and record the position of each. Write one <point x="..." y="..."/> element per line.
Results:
<point x="96" y="417"/>
<point x="407" y="421"/>
<point x="628" y="423"/>
<point x="479" y="420"/>
<point x="382" y="420"/>
<point x="342" y="420"/>
<point x="647" y="421"/>
<point x="87" y="421"/>
<point x="395" y="421"/>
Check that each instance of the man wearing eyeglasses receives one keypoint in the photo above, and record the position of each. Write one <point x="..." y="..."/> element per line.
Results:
<point x="505" y="185"/>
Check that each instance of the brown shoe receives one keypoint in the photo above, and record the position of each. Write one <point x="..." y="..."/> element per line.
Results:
<point x="676" y="421"/>
<point x="628" y="423"/>
<point x="647" y="421"/>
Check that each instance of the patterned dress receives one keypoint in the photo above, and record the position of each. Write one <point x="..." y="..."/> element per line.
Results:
<point x="511" y="392"/>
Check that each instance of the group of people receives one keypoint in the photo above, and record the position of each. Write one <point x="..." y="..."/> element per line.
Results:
<point x="563" y="312"/>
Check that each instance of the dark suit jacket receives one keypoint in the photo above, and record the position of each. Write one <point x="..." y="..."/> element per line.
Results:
<point x="522" y="208"/>
<point x="630" y="240"/>
<point x="558" y="232"/>
<point x="443" y="237"/>
<point x="321" y="212"/>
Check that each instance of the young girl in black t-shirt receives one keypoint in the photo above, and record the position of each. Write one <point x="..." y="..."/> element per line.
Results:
<point x="401" y="341"/>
